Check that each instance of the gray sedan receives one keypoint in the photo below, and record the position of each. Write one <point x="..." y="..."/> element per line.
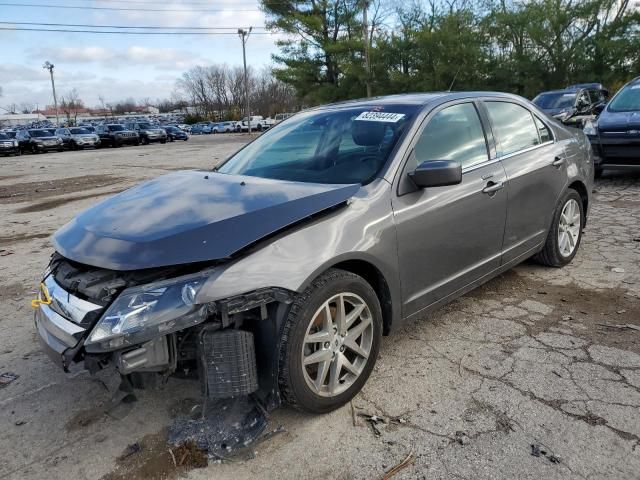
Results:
<point x="277" y="274"/>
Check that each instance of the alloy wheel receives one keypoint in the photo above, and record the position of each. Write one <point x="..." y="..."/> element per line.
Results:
<point x="569" y="228"/>
<point x="337" y="344"/>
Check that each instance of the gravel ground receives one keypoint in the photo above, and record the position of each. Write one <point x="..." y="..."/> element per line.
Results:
<point x="537" y="357"/>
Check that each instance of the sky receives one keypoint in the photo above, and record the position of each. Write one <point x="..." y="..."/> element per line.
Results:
<point x="117" y="67"/>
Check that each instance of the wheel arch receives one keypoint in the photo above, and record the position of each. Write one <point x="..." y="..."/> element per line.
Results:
<point x="374" y="276"/>
<point x="581" y="188"/>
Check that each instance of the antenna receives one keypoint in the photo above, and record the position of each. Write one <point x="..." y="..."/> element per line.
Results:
<point x="454" y="79"/>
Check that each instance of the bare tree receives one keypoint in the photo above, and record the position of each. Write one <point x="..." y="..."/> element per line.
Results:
<point x="70" y="103"/>
<point x="26" y="107"/>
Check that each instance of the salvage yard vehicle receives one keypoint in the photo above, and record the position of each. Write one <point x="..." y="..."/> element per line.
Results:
<point x="116" y="135"/>
<point x="38" y="140"/>
<point x="9" y="145"/>
<point x="147" y="132"/>
<point x="174" y="133"/>
<point x="258" y="123"/>
<point x="77" y="138"/>
<point x="276" y="274"/>
<point x="615" y="135"/>
<point x="573" y="105"/>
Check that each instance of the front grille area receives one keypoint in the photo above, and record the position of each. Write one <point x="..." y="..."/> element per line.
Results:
<point x="100" y="285"/>
<point x="623" y="154"/>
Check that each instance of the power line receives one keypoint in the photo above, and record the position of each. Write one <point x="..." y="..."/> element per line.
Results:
<point x="146" y="27"/>
<point x="154" y="10"/>
<point x="185" y="3"/>
<point x="20" y="29"/>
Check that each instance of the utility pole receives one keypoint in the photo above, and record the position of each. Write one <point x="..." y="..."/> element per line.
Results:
<point x="365" y="34"/>
<point x="49" y="66"/>
<point x="244" y="36"/>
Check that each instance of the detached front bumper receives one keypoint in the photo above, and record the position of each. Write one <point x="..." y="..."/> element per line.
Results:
<point x="61" y="321"/>
<point x="616" y="151"/>
<point x="58" y="337"/>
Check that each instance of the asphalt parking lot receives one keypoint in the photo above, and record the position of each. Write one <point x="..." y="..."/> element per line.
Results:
<point x="534" y="375"/>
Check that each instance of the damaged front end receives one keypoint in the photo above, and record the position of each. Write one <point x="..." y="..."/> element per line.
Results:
<point x="149" y="325"/>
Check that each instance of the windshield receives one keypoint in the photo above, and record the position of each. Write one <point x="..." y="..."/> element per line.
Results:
<point x="145" y="126"/>
<point x="4" y="137"/>
<point x="627" y="100"/>
<point x="555" y="100"/>
<point x="349" y="145"/>
<point x="79" y="131"/>
<point x="39" y="133"/>
<point x="115" y="128"/>
<point x="10" y="134"/>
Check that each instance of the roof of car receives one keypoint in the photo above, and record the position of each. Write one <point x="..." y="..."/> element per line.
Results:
<point x="417" y="98"/>
<point x="562" y="90"/>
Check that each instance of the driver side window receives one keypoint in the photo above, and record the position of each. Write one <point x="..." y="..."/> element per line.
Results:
<point x="454" y="133"/>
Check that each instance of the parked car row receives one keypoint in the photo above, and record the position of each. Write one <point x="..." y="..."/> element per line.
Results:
<point x="258" y="123"/>
<point x="38" y="140"/>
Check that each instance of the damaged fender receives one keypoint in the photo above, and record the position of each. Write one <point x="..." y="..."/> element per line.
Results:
<point x="362" y="232"/>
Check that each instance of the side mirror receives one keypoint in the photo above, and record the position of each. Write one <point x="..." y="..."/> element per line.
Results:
<point x="437" y="173"/>
<point x="599" y="108"/>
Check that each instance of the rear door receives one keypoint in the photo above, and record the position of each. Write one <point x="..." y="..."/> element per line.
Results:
<point x="535" y="165"/>
<point x="450" y="236"/>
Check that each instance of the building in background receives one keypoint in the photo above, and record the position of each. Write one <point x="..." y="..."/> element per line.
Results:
<point x="13" y="119"/>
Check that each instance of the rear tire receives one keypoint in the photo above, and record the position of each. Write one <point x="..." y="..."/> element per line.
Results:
<point x="340" y="365"/>
<point x="563" y="239"/>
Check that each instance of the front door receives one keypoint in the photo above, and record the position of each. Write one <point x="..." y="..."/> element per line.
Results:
<point x="450" y="236"/>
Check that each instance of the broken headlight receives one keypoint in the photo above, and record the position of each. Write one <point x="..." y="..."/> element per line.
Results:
<point x="590" y="128"/>
<point x="148" y="311"/>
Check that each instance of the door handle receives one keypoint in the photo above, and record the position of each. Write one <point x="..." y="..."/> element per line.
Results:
<point x="558" y="162"/>
<point x="493" y="187"/>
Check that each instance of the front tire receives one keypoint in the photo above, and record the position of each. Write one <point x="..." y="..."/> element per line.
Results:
<point x="565" y="234"/>
<point x="330" y="342"/>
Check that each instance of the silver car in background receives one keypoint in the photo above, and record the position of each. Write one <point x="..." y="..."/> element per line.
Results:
<point x="299" y="252"/>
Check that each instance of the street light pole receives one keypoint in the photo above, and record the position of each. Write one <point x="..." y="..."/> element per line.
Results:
<point x="244" y="36"/>
<point x="49" y="66"/>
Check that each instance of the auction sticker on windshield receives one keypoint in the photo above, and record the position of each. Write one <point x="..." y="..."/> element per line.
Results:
<point x="380" y="117"/>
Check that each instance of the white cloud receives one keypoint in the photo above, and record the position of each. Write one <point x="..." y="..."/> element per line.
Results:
<point x="159" y="57"/>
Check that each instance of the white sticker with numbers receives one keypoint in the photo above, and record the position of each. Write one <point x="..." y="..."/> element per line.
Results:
<point x="380" y="117"/>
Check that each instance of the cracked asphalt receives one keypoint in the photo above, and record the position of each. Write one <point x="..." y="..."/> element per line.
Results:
<point x="543" y="361"/>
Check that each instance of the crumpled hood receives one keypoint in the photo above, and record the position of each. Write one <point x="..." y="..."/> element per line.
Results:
<point x="557" y="111"/>
<point x="618" y="121"/>
<point x="190" y="216"/>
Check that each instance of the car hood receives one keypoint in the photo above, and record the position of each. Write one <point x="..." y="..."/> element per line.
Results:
<point x="51" y="137"/>
<point x="618" y="121"/>
<point x="188" y="217"/>
<point x="556" y="111"/>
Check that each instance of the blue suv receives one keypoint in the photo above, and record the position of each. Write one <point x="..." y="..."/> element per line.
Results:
<point x="615" y="134"/>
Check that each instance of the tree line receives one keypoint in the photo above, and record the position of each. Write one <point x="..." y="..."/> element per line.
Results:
<point x="218" y="91"/>
<point x="515" y="46"/>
